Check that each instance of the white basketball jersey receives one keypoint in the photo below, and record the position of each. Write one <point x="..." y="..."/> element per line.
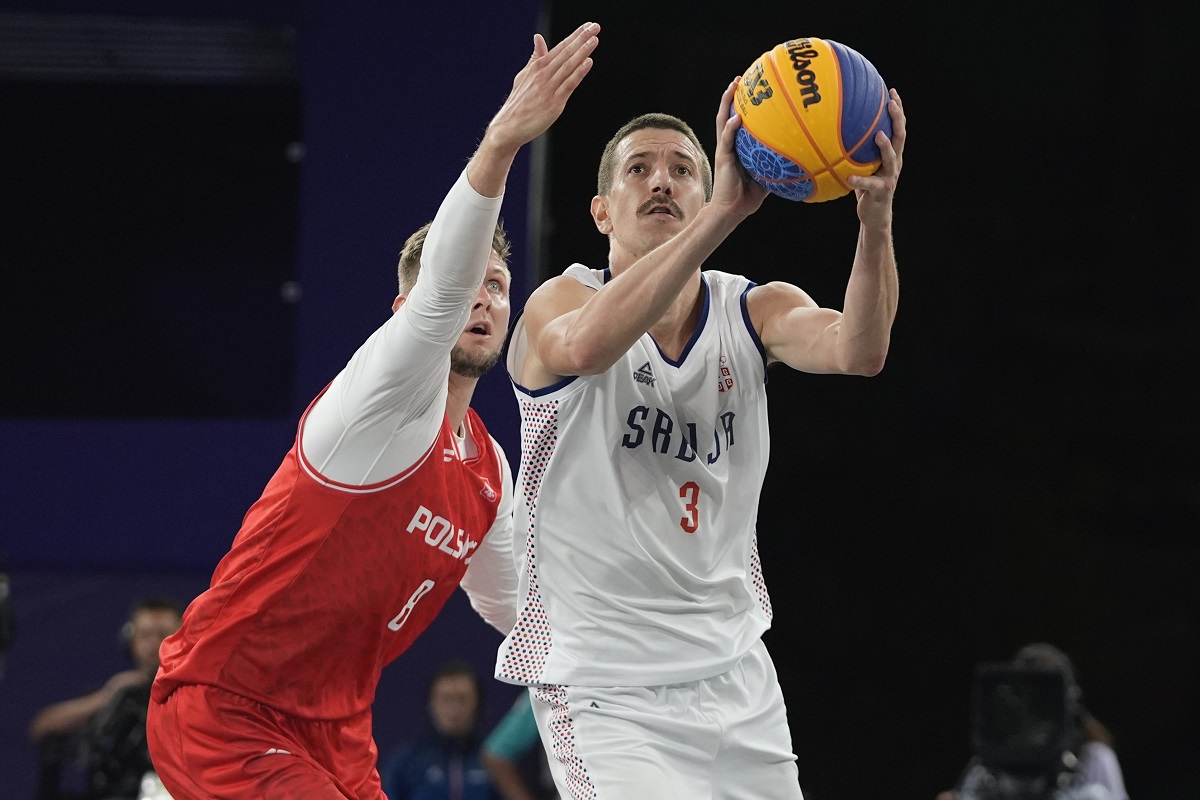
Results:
<point x="636" y="503"/>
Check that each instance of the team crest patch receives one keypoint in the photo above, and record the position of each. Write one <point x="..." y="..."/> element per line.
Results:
<point x="644" y="374"/>
<point x="725" y="377"/>
<point x="488" y="492"/>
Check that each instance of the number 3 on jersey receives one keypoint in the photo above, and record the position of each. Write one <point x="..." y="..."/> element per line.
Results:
<point x="690" y="492"/>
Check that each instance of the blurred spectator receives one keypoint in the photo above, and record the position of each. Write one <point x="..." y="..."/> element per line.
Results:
<point x="94" y="746"/>
<point x="444" y="762"/>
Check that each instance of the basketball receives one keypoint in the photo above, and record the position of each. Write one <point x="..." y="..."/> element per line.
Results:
<point x="810" y="109"/>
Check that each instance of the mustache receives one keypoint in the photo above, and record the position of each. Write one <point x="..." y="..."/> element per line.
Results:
<point x="661" y="201"/>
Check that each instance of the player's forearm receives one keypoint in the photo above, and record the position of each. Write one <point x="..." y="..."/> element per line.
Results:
<point x="872" y="294"/>
<point x="609" y="324"/>
<point x="459" y="244"/>
<point x="68" y="715"/>
<point x="488" y="169"/>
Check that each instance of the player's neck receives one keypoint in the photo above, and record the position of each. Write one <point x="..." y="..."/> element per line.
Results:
<point x="458" y="400"/>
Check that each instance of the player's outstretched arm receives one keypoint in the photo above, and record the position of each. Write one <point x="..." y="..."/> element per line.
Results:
<point x="460" y="239"/>
<point x="539" y="94"/>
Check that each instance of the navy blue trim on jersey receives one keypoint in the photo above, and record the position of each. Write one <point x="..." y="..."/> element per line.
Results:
<point x="554" y="387"/>
<point x="512" y="326"/>
<point x="762" y="351"/>
<point x="695" y="333"/>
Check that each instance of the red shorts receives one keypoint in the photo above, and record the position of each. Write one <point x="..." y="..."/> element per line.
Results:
<point x="207" y="743"/>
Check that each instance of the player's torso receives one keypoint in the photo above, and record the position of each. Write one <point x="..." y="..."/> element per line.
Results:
<point x="648" y="514"/>
<point x="325" y="584"/>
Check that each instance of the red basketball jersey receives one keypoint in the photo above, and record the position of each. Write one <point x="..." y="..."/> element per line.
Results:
<point x="326" y="583"/>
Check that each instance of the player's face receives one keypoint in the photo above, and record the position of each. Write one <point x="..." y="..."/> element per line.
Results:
<point x="453" y="702"/>
<point x="657" y="189"/>
<point x="150" y="627"/>
<point x="479" y="346"/>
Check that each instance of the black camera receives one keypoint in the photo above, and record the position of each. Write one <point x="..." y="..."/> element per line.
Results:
<point x="1026" y="731"/>
<point x="1025" y="719"/>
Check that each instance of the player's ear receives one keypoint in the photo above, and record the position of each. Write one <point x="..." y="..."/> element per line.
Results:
<point x="600" y="214"/>
<point x="399" y="301"/>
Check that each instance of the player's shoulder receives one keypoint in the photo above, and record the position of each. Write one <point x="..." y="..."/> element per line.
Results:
<point x="778" y="294"/>
<point x="723" y="278"/>
<point x="571" y="288"/>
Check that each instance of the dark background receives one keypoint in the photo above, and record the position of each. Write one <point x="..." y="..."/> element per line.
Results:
<point x="1022" y="470"/>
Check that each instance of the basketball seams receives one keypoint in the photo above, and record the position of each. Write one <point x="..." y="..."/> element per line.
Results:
<point x="841" y="105"/>
<point x="871" y="131"/>
<point x="880" y="107"/>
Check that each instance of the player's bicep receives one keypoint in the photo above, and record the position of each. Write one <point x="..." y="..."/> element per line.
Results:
<point x="793" y="329"/>
<point x="548" y="320"/>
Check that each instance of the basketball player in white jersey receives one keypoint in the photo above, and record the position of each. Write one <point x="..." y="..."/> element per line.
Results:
<point x="644" y="447"/>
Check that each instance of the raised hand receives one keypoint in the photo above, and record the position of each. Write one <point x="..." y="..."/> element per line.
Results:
<point x="732" y="185"/>
<point x="542" y="87"/>
<point x="874" y="192"/>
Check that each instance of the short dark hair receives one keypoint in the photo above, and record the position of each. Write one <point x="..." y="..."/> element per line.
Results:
<point x="604" y="178"/>
<point x="156" y="602"/>
<point x="410" y="255"/>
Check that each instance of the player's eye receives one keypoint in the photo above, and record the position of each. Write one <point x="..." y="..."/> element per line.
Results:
<point x="637" y="169"/>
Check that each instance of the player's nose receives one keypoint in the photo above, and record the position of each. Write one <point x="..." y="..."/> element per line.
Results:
<point x="661" y="179"/>
<point x="483" y="298"/>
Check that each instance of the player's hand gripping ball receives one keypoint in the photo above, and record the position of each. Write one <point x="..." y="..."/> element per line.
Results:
<point x="810" y="109"/>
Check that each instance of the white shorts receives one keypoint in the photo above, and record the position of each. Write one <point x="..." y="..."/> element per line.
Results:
<point x="723" y="738"/>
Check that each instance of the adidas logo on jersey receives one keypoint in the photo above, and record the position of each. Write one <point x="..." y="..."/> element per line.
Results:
<point x="644" y="374"/>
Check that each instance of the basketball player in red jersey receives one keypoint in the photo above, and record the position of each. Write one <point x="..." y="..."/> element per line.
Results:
<point x="393" y="493"/>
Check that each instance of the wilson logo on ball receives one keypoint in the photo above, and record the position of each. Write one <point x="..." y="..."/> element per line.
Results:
<point x="802" y="54"/>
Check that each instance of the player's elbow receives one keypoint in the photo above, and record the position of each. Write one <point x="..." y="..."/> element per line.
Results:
<point x="585" y="356"/>
<point x="871" y="369"/>
<point x="866" y="363"/>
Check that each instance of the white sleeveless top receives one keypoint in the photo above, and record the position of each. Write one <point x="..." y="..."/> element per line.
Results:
<point x="636" y="502"/>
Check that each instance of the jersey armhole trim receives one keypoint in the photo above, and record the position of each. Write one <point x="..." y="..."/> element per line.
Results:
<point x="762" y="351"/>
<point x="313" y="473"/>
<point x="554" y="387"/>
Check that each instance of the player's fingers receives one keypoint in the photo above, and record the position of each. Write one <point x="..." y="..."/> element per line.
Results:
<point x="725" y="111"/>
<point x="569" y="47"/>
<point x="899" y="121"/>
<point x="572" y="80"/>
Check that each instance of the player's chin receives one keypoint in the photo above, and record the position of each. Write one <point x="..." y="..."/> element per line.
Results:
<point x="473" y="362"/>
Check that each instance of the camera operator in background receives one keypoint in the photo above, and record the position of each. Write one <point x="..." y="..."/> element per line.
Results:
<point x="1084" y="766"/>
<point x="103" y="733"/>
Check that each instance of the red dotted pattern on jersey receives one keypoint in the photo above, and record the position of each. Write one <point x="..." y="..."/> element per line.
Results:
<point x="562" y="742"/>
<point x="760" y="584"/>
<point x="525" y="655"/>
